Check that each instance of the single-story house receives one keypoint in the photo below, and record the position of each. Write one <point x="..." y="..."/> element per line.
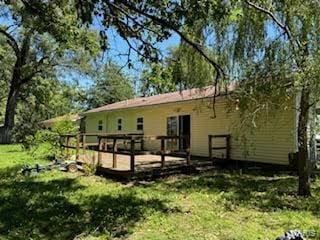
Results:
<point x="190" y="112"/>
<point x="76" y="118"/>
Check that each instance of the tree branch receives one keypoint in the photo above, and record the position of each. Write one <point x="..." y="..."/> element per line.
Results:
<point x="164" y="23"/>
<point x="270" y="14"/>
<point x="11" y="41"/>
<point x="283" y="26"/>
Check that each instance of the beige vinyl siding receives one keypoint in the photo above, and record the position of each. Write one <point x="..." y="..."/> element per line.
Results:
<point x="270" y="142"/>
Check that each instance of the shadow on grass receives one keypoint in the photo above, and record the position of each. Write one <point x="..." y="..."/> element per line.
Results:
<point x="35" y="209"/>
<point x="265" y="193"/>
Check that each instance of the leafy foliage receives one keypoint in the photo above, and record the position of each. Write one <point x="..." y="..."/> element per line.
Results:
<point x="46" y="143"/>
<point x="111" y="85"/>
<point x="38" y="103"/>
<point x="183" y="68"/>
<point x="157" y="79"/>
<point x="36" y="57"/>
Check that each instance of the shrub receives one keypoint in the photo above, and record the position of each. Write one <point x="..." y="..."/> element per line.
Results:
<point x="89" y="169"/>
<point x="45" y="143"/>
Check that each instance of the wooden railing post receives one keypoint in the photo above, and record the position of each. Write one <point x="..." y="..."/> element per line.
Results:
<point x="61" y="144"/>
<point x="163" y="149"/>
<point x="132" y="149"/>
<point x="142" y="144"/>
<point x="188" y="150"/>
<point x="84" y="144"/>
<point x="228" y="147"/>
<point x="77" y="147"/>
<point x="68" y="143"/>
<point x="114" y="155"/>
<point x="99" y="151"/>
<point x="210" y="146"/>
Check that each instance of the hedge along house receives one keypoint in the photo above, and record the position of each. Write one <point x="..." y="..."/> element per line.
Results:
<point x="190" y="113"/>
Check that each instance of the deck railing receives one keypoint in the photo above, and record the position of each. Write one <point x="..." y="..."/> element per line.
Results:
<point x="227" y="147"/>
<point x="108" y="143"/>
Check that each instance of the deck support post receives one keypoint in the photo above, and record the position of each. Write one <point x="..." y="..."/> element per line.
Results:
<point x="61" y="139"/>
<point x="163" y="149"/>
<point x="132" y="148"/>
<point x="77" y="147"/>
<point x="228" y="147"/>
<point x="99" y="151"/>
<point x="188" y="152"/>
<point x="210" y="146"/>
<point x="142" y="144"/>
<point x="68" y="144"/>
<point x="84" y="144"/>
<point x="114" y="155"/>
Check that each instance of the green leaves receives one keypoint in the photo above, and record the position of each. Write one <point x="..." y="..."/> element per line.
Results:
<point x="110" y="85"/>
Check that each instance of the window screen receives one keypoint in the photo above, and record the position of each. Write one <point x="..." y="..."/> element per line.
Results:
<point x="100" y="125"/>
<point x="119" y="124"/>
<point x="139" y="123"/>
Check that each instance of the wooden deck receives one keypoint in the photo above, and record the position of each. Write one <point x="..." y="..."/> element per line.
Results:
<point x="123" y="161"/>
<point x="145" y="165"/>
<point x="109" y="158"/>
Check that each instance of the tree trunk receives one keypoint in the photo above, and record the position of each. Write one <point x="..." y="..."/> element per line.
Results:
<point x="12" y="101"/>
<point x="303" y="162"/>
<point x="11" y="106"/>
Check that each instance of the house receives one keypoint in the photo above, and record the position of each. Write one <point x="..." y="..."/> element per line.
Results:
<point x="190" y="113"/>
<point x="70" y="117"/>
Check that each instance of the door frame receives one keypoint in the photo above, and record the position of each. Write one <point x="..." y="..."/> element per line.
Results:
<point x="184" y="143"/>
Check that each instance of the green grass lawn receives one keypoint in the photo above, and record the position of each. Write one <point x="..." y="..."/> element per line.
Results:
<point x="223" y="205"/>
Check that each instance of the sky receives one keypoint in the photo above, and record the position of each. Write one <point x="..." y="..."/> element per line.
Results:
<point x="118" y="48"/>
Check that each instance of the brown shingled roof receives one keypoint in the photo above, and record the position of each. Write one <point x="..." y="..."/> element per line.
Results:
<point x="178" y="96"/>
<point x="51" y="121"/>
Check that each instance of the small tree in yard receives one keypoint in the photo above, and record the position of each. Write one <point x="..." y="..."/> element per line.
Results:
<point x="46" y="143"/>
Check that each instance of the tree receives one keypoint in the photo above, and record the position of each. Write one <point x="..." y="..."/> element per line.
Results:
<point x="141" y="24"/>
<point x="34" y="53"/>
<point x="183" y="68"/>
<point x="110" y="86"/>
<point x="276" y="53"/>
<point x="42" y="100"/>
<point x="157" y="79"/>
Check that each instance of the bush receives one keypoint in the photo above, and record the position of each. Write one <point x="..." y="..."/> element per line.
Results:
<point x="89" y="169"/>
<point x="45" y="143"/>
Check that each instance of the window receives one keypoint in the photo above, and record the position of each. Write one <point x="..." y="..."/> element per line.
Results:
<point x="172" y="130"/>
<point x="172" y="126"/>
<point x="119" y="124"/>
<point x="100" y="126"/>
<point x="140" y="123"/>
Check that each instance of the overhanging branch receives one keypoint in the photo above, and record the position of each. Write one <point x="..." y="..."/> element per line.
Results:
<point x="11" y="41"/>
<point x="164" y="23"/>
<point x="280" y="24"/>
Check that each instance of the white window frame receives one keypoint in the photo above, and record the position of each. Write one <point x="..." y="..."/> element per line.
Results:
<point x="100" y="125"/>
<point x="140" y="124"/>
<point x="119" y="124"/>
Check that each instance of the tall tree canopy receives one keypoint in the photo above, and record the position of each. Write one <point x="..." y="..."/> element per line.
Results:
<point x="182" y="69"/>
<point x="111" y="85"/>
<point x="44" y="99"/>
<point x="32" y="52"/>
